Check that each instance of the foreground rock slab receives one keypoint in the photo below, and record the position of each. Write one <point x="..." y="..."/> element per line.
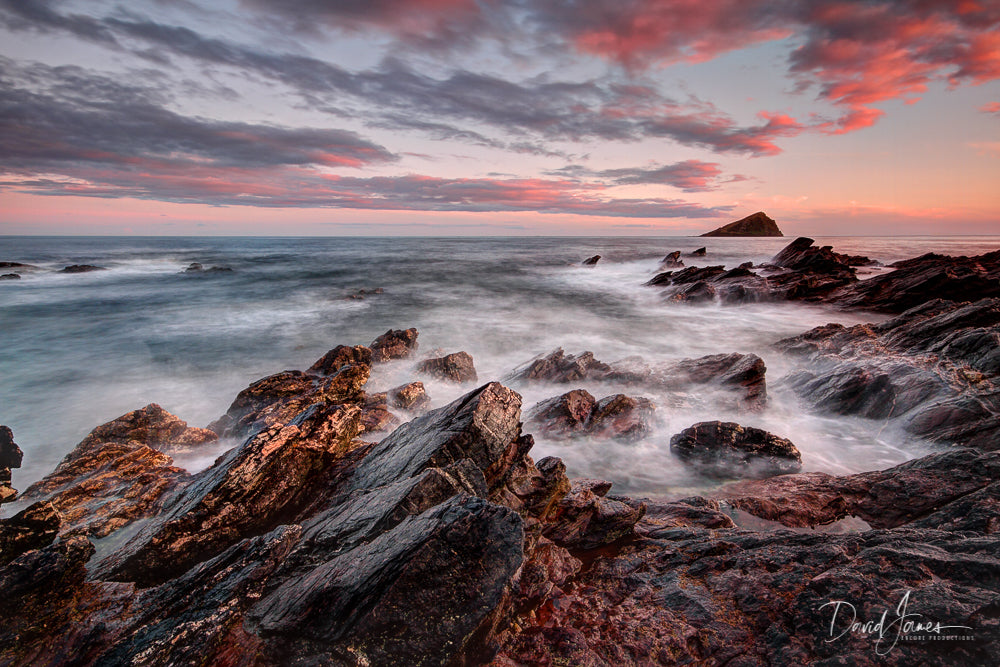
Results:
<point x="935" y="370"/>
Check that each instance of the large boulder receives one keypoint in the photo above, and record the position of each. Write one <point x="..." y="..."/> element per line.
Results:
<point x="394" y="344"/>
<point x="120" y="472"/>
<point x="456" y="367"/>
<point x="34" y="527"/>
<point x="337" y="377"/>
<point x="726" y="449"/>
<point x="265" y="482"/>
<point x="923" y="279"/>
<point x="577" y="413"/>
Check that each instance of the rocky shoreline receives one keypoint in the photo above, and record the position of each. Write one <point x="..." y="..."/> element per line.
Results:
<point x="320" y="539"/>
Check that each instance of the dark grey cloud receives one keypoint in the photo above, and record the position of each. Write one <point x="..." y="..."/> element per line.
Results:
<point x="51" y="117"/>
<point x="689" y="175"/>
<point x="396" y="94"/>
<point x="68" y="132"/>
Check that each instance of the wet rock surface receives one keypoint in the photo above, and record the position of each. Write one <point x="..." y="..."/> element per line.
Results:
<point x="934" y="369"/>
<point x="410" y="396"/>
<point x="591" y="261"/>
<point x="10" y="457"/>
<point x="743" y="374"/>
<point x="394" y="344"/>
<point x="119" y="473"/>
<point x="727" y="449"/>
<point x="922" y="279"/>
<point x="446" y="543"/>
<point x="577" y="414"/>
<point x="306" y="544"/>
<point x="799" y="272"/>
<point x="455" y="367"/>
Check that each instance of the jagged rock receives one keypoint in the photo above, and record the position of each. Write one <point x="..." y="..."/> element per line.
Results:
<point x="10" y="457"/>
<point x="922" y="279"/>
<point x="800" y="254"/>
<point x="726" y="448"/>
<point x="456" y="367"/>
<point x="394" y="344"/>
<point x="32" y="528"/>
<point x="799" y="272"/>
<point x="411" y="396"/>
<point x="935" y="369"/>
<point x="454" y="563"/>
<point x="81" y="268"/>
<point x="563" y="416"/>
<point x="561" y="368"/>
<point x="591" y="261"/>
<point x="672" y="259"/>
<point x="255" y="487"/>
<point x="337" y="377"/>
<point x="756" y="224"/>
<point x="744" y="373"/>
<point x="621" y="416"/>
<point x="119" y="473"/>
<point x="533" y="490"/>
<point x="585" y="520"/>
<point x="10" y="276"/>
<point x="375" y="415"/>
<point x="700" y="252"/>
<point x="480" y="426"/>
<point x="888" y="498"/>
<point x="577" y="413"/>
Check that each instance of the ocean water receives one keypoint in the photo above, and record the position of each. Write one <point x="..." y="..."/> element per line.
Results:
<point x="81" y="349"/>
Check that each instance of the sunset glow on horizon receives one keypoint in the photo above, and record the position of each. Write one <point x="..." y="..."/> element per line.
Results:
<point x="495" y="117"/>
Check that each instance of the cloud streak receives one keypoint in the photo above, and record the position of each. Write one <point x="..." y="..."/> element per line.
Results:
<point x="67" y="132"/>
<point x="444" y="105"/>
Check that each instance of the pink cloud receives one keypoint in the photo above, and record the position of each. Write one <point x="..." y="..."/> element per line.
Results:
<point x="859" y="54"/>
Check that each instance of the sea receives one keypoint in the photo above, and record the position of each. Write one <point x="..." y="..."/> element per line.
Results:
<point x="81" y="349"/>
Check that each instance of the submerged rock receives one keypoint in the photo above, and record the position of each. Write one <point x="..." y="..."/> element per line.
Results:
<point x="394" y="344"/>
<point x="10" y="276"/>
<point x="727" y="449"/>
<point x="195" y="267"/>
<point x="560" y="367"/>
<point x="81" y="268"/>
<point x="456" y="367"/>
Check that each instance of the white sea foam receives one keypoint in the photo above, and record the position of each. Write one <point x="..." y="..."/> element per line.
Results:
<point x="82" y="349"/>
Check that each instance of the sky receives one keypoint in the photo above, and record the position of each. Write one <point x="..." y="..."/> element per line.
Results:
<point x="498" y="117"/>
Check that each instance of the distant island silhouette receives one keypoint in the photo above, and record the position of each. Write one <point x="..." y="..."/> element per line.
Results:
<point x="758" y="224"/>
